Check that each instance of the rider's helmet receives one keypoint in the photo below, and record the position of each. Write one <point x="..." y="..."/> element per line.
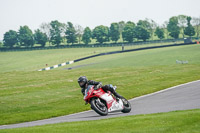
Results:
<point x="82" y="81"/>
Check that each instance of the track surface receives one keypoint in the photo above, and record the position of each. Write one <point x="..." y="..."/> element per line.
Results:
<point x="181" y="97"/>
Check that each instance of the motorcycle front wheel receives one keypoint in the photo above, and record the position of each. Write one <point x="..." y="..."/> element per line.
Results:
<point x="99" y="107"/>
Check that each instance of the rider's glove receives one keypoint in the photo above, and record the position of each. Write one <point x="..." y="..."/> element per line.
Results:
<point x="98" y="86"/>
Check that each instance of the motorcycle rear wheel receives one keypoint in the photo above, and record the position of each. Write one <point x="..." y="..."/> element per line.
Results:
<point x="127" y="106"/>
<point x="99" y="108"/>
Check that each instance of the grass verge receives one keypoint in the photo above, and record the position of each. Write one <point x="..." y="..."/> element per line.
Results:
<point x="31" y="95"/>
<point x="172" y="122"/>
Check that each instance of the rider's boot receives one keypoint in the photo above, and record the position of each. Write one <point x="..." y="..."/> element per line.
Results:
<point x="113" y="90"/>
<point x="117" y="95"/>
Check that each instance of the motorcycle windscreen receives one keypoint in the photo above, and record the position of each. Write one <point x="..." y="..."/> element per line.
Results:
<point x="87" y="90"/>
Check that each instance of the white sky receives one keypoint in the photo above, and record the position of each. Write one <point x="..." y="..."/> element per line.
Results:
<point x="16" y="13"/>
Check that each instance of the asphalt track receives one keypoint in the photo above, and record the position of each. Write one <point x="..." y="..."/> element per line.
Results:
<point x="181" y="97"/>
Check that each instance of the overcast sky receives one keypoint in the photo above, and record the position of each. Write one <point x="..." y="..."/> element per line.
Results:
<point x="16" y="13"/>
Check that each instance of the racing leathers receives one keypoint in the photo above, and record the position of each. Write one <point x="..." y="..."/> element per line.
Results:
<point x="99" y="85"/>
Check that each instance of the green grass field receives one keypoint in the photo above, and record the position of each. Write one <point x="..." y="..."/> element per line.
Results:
<point x="35" y="60"/>
<point x="172" y="122"/>
<point x="27" y="95"/>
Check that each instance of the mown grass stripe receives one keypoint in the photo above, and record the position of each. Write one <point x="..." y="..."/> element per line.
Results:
<point x="116" y="52"/>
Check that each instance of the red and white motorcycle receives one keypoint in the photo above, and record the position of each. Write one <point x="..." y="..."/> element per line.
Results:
<point x="104" y="103"/>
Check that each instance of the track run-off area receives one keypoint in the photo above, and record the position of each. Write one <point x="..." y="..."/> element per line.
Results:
<point x="182" y="97"/>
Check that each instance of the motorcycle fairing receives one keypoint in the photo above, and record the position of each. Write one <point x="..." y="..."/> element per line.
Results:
<point x="112" y="104"/>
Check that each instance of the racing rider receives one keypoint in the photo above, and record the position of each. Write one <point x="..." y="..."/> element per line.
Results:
<point x="84" y="82"/>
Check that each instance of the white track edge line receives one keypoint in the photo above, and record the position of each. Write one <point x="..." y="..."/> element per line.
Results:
<point x="157" y="92"/>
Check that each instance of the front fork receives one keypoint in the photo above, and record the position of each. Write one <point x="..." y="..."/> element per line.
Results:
<point x="98" y="101"/>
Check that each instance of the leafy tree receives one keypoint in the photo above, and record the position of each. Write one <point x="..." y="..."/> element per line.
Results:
<point x="182" y="22"/>
<point x="149" y="25"/>
<point x="143" y="30"/>
<point x="114" y="32"/>
<point x="189" y="30"/>
<point x="165" y="27"/>
<point x="141" y="33"/>
<point x="1" y="43"/>
<point x="56" y="30"/>
<point x="87" y="35"/>
<point x="121" y="28"/>
<point x="101" y="33"/>
<point x="144" y="23"/>
<point x="40" y="38"/>
<point x="160" y="33"/>
<point x="153" y="26"/>
<point x="25" y="36"/>
<point x="10" y="38"/>
<point x="71" y="33"/>
<point x="128" y="33"/>
<point x="79" y="32"/>
<point x="46" y="28"/>
<point x="173" y="28"/>
<point x="196" y="23"/>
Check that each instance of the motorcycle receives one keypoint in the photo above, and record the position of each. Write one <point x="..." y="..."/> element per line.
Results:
<point x="104" y="102"/>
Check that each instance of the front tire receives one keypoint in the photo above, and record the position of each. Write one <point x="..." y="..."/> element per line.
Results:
<point x="99" y="108"/>
<point x="127" y="106"/>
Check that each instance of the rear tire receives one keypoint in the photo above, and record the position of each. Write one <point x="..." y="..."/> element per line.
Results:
<point x="127" y="106"/>
<point x="99" y="108"/>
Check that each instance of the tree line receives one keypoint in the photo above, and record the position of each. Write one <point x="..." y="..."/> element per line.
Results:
<point x="56" y="32"/>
